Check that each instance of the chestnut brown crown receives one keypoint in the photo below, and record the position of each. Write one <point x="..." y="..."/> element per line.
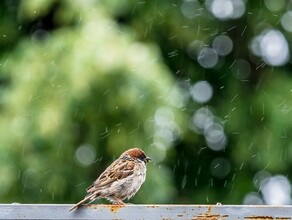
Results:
<point x="137" y="153"/>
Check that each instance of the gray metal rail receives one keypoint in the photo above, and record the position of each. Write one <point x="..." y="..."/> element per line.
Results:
<point x="61" y="211"/>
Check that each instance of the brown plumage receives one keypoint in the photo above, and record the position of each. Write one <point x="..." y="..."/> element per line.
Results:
<point x="121" y="180"/>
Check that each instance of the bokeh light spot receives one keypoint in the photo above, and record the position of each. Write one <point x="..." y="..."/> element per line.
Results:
<point x="273" y="5"/>
<point x="241" y="69"/>
<point x="220" y="167"/>
<point x="207" y="57"/>
<point x="191" y="9"/>
<point x="286" y="21"/>
<point x="276" y="190"/>
<point x="272" y="46"/>
<point x="85" y="155"/>
<point x="215" y="137"/>
<point x="226" y="9"/>
<point x="202" y="118"/>
<point x="222" y="45"/>
<point x="201" y="91"/>
<point x="253" y="198"/>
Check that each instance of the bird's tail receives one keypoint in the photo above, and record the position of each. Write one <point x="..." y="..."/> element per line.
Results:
<point x="90" y="197"/>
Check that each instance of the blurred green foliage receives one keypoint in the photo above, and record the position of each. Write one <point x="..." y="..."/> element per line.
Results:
<point x="116" y="74"/>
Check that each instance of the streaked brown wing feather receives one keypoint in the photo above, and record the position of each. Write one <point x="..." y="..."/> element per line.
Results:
<point x="119" y="169"/>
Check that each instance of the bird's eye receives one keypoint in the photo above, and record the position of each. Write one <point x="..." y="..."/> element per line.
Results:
<point x="142" y="157"/>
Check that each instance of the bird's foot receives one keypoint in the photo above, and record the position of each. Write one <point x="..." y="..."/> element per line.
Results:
<point x="117" y="201"/>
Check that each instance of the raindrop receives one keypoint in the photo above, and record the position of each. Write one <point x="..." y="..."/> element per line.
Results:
<point x="201" y="91"/>
<point x="199" y="170"/>
<point x="222" y="45"/>
<point x="85" y="155"/>
<point x="207" y="57"/>
<point x="184" y="181"/>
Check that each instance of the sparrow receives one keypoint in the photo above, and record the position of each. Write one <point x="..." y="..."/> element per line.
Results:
<point x="120" y="180"/>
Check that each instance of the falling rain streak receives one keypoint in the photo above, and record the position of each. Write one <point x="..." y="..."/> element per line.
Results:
<point x="204" y="87"/>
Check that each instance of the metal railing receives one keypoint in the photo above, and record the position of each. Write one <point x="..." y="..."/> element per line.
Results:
<point x="200" y="212"/>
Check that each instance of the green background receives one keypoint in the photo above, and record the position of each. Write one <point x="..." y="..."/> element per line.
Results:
<point x="105" y="76"/>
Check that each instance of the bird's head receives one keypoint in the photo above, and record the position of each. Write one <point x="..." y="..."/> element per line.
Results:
<point x="137" y="153"/>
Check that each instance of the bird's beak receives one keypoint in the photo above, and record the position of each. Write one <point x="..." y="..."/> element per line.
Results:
<point x="148" y="159"/>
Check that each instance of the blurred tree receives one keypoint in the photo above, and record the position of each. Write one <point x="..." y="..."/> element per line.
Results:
<point x="79" y="96"/>
<point x="202" y="86"/>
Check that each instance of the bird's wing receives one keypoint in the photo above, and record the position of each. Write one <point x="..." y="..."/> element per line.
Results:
<point x="119" y="169"/>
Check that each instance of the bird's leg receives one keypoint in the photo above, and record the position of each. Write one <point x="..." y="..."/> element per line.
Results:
<point x="117" y="201"/>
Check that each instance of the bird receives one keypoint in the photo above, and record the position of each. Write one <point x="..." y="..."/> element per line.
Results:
<point x="121" y="180"/>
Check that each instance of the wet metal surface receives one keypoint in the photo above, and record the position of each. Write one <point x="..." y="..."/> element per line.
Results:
<point x="199" y="212"/>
